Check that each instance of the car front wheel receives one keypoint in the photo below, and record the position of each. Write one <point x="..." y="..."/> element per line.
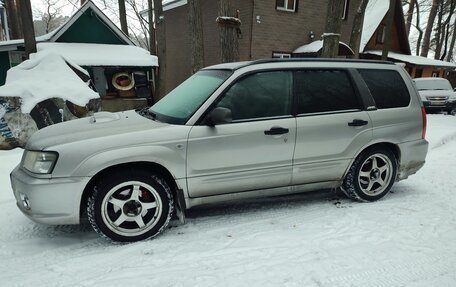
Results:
<point x="130" y="206"/>
<point x="371" y="176"/>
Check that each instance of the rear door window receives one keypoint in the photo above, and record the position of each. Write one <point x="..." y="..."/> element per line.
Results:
<point x="387" y="88"/>
<point x="321" y="91"/>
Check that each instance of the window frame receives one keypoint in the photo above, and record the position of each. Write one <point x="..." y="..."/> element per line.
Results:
<point x="354" y="81"/>
<point x="285" y="7"/>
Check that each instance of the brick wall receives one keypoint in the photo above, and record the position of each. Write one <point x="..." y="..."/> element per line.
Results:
<point x="274" y="30"/>
<point x="283" y="31"/>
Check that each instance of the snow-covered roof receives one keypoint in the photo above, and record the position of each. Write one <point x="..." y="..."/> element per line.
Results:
<point x="416" y="60"/>
<point x="46" y="77"/>
<point x="100" y="54"/>
<point x="375" y="12"/>
<point x="315" y="47"/>
<point x="54" y="35"/>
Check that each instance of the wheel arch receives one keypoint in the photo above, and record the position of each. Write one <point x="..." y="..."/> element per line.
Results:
<point x="394" y="148"/>
<point x="153" y="167"/>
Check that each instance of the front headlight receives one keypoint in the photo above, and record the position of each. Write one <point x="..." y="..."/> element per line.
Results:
<point x="41" y="162"/>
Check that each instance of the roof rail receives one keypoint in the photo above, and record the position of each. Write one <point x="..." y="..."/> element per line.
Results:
<point x="338" y="60"/>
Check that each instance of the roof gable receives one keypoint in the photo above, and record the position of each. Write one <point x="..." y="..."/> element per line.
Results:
<point x="88" y="18"/>
<point x="375" y="14"/>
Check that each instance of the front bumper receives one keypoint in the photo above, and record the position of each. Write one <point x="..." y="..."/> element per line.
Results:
<point x="49" y="201"/>
<point x="434" y="106"/>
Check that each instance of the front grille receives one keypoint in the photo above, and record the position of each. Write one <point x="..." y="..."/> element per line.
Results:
<point x="437" y="98"/>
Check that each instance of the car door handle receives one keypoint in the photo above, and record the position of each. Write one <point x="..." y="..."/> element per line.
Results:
<point x="276" y="131"/>
<point x="358" y="123"/>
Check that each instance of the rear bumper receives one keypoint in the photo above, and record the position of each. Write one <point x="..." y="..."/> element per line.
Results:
<point x="49" y="201"/>
<point x="413" y="156"/>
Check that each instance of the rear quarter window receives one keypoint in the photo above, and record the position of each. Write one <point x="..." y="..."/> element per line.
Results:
<point x="387" y="88"/>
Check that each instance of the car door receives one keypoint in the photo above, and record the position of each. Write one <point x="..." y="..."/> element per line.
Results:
<point x="332" y="125"/>
<point x="255" y="150"/>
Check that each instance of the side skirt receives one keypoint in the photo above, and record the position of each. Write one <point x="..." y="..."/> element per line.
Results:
<point x="191" y="202"/>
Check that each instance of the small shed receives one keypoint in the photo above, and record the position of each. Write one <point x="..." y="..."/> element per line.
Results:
<point x="121" y="72"/>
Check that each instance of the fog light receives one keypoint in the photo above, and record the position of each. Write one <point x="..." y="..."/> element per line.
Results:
<point x="25" y="202"/>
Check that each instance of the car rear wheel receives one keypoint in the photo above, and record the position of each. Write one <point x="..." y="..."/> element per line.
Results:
<point x="130" y="206"/>
<point x="371" y="176"/>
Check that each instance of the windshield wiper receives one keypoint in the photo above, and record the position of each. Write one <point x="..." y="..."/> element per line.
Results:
<point x="145" y="112"/>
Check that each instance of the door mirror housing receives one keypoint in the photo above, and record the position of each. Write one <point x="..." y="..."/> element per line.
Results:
<point x="219" y="116"/>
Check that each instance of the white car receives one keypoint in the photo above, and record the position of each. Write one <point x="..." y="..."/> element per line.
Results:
<point x="437" y="95"/>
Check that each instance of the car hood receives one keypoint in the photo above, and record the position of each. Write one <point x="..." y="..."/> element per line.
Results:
<point x="103" y="124"/>
<point x="436" y="93"/>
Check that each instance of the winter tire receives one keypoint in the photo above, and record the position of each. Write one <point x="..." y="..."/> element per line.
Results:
<point x="130" y="206"/>
<point x="371" y="176"/>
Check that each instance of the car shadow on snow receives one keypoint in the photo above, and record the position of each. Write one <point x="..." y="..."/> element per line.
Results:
<point x="335" y="197"/>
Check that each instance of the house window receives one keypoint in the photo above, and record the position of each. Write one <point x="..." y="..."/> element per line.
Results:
<point x="345" y="10"/>
<point x="281" y="55"/>
<point x="381" y="31"/>
<point x="286" y="5"/>
<point x="435" y="74"/>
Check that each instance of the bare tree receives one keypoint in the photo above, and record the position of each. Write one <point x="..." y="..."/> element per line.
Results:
<point x="123" y="17"/>
<point x="51" y="16"/>
<point x="14" y="19"/>
<point x="196" y="35"/>
<point x="443" y="28"/>
<point x="332" y="29"/>
<point x="389" y="29"/>
<point x="152" y="40"/>
<point x="229" y="24"/>
<point x="427" y="34"/>
<point x="408" y="22"/>
<point x="160" y="26"/>
<point x="452" y="44"/>
<point x="357" y="27"/>
<point x="418" y="27"/>
<point x="27" y="27"/>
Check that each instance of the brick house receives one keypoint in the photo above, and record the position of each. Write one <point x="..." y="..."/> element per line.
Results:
<point x="270" y="28"/>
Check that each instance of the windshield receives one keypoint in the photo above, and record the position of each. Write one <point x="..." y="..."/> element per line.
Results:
<point x="432" y="84"/>
<point x="182" y="102"/>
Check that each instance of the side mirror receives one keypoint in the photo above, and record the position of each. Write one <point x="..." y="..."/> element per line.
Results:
<point x="219" y="116"/>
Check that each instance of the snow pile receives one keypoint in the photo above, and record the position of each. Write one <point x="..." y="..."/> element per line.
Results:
<point x="100" y="54"/>
<point x="316" y="46"/>
<point x="45" y="77"/>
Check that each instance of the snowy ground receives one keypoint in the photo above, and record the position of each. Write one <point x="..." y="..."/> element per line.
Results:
<point x="315" y="239"/>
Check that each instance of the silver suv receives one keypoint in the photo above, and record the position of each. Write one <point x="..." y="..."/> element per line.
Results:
<point x="229" y="132"/>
